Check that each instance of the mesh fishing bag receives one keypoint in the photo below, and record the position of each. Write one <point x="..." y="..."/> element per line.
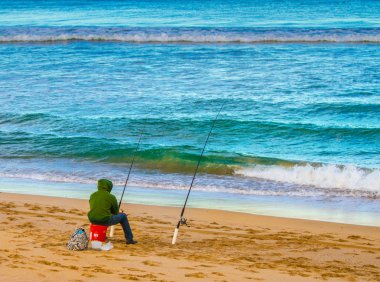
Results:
<point x="78" y="240"/>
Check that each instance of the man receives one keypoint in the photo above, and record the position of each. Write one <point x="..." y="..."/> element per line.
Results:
<point x="104" y="210"/>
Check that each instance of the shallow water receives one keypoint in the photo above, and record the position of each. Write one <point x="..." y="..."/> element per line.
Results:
<point x="300" y="87"/>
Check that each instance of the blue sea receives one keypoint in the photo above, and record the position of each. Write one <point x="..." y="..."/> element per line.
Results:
<point x="299" y="82"/>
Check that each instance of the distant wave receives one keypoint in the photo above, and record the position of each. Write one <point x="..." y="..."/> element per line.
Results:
<point x="226" y="124"/>
<point x="320" y="176"/>
<point x="189" y="35"/>
<point x="6" y="118"/>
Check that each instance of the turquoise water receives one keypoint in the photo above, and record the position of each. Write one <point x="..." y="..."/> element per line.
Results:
<point x="299" y="81"/>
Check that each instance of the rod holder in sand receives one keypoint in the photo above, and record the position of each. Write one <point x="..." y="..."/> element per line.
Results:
<point x="175" y="235"/>
<point x="112" y="231"/>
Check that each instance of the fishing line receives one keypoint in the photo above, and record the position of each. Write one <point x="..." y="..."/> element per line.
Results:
<point x="130" y="169"/>
<point x="126" y="180"/>
<point x="182" y="220"/>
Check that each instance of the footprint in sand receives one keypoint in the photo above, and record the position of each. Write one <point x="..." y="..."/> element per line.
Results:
<point x="196" y="275"/>
<point x="151" y="263"/>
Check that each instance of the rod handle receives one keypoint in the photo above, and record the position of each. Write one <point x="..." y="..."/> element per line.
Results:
<point x="112" y="230"/>
<point x="175" y="235"/>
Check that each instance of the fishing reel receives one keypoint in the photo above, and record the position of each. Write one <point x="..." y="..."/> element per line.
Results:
<point x="183" y="221"/>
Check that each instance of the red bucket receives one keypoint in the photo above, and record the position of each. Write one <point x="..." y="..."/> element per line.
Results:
<point x="98" y="232"/>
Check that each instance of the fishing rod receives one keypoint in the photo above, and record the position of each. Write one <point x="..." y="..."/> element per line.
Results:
<point x="182" y="220"/>
<point x="112" y="231"/>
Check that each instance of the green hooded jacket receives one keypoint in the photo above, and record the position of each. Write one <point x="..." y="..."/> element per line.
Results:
<point x="102" y="203"/>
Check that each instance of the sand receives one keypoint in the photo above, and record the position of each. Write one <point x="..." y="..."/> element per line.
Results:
<point x="217" y="246"/>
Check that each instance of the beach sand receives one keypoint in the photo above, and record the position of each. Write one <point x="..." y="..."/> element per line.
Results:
<point x="218" y="246"/>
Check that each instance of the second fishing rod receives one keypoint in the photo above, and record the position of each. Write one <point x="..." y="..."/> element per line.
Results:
<point x="182" y="220"/>
<point x="112" y="231"/>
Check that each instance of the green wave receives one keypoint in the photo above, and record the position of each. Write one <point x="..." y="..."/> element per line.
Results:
<point x="176" y="160"/>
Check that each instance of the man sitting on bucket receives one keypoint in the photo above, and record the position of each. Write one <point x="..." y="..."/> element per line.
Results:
<point x="104" y="210"/>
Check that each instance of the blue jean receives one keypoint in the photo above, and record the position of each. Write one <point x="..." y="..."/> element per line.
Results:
<point x="123" y="220"/>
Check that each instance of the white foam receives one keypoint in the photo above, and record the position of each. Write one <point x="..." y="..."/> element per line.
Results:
<point x="172" y="35"/>
<point x="324" y="176"/>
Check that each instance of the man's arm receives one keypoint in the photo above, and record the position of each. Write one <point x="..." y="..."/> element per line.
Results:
<point x="114" y="206"/>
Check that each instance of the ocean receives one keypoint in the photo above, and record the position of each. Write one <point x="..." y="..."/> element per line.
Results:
<point x="299" y="82"/>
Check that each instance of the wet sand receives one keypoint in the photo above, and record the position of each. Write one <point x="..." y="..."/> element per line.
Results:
<point x="217" y="246"/>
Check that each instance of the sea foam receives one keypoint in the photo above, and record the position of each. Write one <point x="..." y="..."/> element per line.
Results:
<point x="324" y="176"/>
<point x="189" y="35"/>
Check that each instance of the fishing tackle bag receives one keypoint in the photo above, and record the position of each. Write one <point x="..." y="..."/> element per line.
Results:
<point x="78" y="240"/>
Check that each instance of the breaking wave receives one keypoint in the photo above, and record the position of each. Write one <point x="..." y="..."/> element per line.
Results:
<point x="321" y="176"/>
<point x="297" y="181"/>
<point x="189" y="35"/>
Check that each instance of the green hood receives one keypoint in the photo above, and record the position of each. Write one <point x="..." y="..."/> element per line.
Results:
<point x="105" y="185"/>
<point x="102" y="203"/>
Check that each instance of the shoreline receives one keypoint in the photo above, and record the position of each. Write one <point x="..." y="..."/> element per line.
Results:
<point x="218" y="245"/>
<point x="238" y="217"/>
<point x="338" y="210"/>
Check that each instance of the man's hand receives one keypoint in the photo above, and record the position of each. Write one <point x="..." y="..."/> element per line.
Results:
<point x="123" y="211"/>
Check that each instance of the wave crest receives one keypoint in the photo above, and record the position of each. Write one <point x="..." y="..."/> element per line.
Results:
<point x="189" y="35"/>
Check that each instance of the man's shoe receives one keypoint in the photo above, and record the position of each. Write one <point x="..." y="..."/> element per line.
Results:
<point x="131" y="242"/>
